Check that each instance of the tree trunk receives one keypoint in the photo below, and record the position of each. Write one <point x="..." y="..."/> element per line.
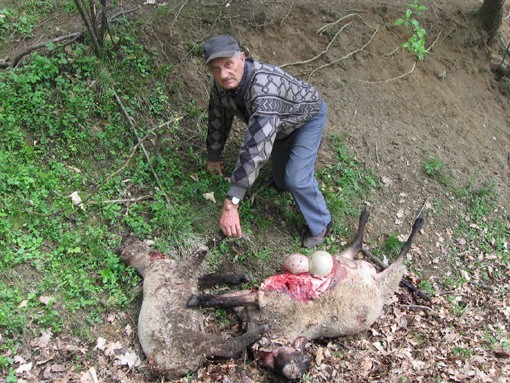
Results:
<point x="491" y="14"/>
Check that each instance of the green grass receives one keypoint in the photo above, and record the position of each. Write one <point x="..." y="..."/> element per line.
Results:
<point x="462" y="352"/>
<point x="483" y="226"/>
<point x="389" y="248"/>
<point x="427" y="287"/>
<point x="434" y="168"/>
<point x="345" y="184"/>
<point x="496" y="338"/>
<point x="62" y="131"/>
<point x="19" y="19"/>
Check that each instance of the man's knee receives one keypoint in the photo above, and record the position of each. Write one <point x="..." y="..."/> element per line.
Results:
<point x="297" y="182"/>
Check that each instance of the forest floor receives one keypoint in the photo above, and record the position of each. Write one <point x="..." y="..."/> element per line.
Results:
<point x="395" y="114"/>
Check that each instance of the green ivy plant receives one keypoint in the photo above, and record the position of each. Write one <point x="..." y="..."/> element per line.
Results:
<point x="416" y="42"/>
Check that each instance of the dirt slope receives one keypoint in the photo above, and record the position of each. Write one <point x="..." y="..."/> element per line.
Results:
<point x="392" y="111"/>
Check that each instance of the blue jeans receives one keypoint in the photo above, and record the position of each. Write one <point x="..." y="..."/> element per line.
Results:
<point x="294" y="170"/>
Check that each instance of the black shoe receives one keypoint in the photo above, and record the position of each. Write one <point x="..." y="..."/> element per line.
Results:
<point x="311" y="241"/>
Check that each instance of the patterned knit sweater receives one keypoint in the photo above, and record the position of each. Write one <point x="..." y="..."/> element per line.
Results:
<point x="273" y="104"/>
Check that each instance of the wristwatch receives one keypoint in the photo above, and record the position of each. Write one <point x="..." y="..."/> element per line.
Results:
<point x="234" y="200"/>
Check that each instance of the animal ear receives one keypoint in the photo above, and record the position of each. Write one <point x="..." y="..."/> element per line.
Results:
<point x="300" y="343"/>
<point x="266" y="357"/>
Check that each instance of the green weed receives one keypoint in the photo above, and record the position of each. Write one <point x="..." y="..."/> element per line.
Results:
<point x="15" y="23"/>
<point x="21" y="19"/>
<point x="416" y="42"/>
<point x="435" y="168"/>
<point x="392" y="245"/>
<point x="190" y="377"/>
<point x="427" y="287"/>
<point x="194" y="48"/>
<point x="454" y="282"/>
<point x="482" y="226"/>
<point x="496" y="338"/>
<point x="459" y="309"/>
<point x="419" y="339"/>
<point x="194" y="110"/>
<point x="221" y="317"/>
<point x="461" y="352"/>
<point x="480" y="199"/>
<point x="345" y="183"/>
<point x="306" y="378"/>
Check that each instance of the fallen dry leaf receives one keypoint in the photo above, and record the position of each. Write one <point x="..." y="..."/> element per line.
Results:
<point x="45" y="300"/>
<point x="386" y="181"/>
<point x="76" y="200"/>
<point x="101" y="343"/>
<point x="129" y="358"/>
<point x="210" y="197"/>
<point x="89" y="376"/>
<point x="24" y="368"/>
<point x="42" y="341"/>
<point x="58" y="368"/>
<point x="319" y="356"/>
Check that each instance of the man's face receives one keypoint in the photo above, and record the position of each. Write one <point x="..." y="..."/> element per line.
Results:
<point x="228" y="72"/>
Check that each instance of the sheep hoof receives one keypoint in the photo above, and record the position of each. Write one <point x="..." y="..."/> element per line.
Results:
<point x="193" y="301"/>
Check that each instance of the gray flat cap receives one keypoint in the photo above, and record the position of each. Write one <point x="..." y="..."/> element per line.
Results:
<point x="220" y="46"/>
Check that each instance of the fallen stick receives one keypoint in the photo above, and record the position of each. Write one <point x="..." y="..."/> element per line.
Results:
<point x="147" y="157"/>
<point x="321" y="53"/>
<point x="19" y="56"/>
<point x="391" y="79"/>
<point x="376" y="29"/>
<point x="124" y="200"/>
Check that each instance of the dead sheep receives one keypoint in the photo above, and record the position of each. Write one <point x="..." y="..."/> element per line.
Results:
<point x="172" y="336"/>
<point x="339" y="296"/>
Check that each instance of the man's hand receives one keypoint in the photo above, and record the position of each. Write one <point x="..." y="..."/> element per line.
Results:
<point x="229" y="220"/>
<point x="215" y="167"/>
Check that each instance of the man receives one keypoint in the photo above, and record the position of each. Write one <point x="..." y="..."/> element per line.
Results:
<point x="285" y="118"/>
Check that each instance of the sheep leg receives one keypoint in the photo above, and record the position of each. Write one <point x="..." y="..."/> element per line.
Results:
<point x="213" y="279"/>
<point x="356" y="246"/>
<point x="394" y="272"/>
<point x="418" y="223"/>
<point x="228" y="300"/>
<point x="233" y="347"/>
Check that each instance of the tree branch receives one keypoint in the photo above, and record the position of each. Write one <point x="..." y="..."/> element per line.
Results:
<point x="19" y="56"/>
<point x="391" y="79"/>
<point x="147" y="157"/>
<point x="90" y="28"/>
<point x="376" y="29"/>
<point x="124" y="200"/>
<point x="323" y="52"/>
<point x="73" y="36"/>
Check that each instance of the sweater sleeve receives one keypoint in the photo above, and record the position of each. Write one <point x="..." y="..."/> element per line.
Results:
<point x="219" y="126"/>
<point x="254" y="153"/>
